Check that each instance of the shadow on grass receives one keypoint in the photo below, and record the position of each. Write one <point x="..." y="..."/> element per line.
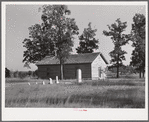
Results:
<point x="110" y="83"/>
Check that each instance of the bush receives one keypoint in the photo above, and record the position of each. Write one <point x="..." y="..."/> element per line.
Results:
<point x="22" y="74"/>
<point x="15" y="74"/>
<point x="7" y="73"/>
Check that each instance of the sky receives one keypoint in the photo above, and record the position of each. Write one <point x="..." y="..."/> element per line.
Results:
<point x="20" y="17"/>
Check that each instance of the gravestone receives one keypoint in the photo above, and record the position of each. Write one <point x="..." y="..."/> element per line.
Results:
<point x="103" y="75"/>
<point x="43" y="83"/>
<point x="50" y="80"/>
<point x="79" y="75"/>
<point x="57" y="79"/>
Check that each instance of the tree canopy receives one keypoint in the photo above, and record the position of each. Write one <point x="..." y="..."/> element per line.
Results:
<point x="53" y="37"/>
<point x="87" y="41"/>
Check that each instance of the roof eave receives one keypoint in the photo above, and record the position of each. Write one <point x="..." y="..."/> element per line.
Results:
<point x="104" y="58"/>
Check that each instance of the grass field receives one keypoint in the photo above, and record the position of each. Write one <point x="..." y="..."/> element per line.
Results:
<point x="111" y="93"/>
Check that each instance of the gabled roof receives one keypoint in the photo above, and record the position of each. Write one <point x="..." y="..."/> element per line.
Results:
<point x="73" y="59"/>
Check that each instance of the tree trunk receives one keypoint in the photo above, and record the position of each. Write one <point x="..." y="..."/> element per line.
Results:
<point x="61" y="71"/>
<point x="117" y="71"/>
<point x="143" y="73"/>
<point x="117" y="67"/>
<point x="140" y="73"/>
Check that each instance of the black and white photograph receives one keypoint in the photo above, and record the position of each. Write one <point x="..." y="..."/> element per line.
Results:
<point x="75" y="60"/>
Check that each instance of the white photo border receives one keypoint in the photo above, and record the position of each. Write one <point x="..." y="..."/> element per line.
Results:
<point x="46" y="114"/>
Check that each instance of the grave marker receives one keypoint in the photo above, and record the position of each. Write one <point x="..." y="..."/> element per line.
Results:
<point x="57" y="79"/>
<point x="50" y="80"/>
<point x="43" y="83"/>
<point x="79" y="75"/>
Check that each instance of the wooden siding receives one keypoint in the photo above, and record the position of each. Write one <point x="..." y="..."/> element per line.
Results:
<point x="51" y="71"/>
<point x="96" y="64"/>
<point x="70" y="70"/>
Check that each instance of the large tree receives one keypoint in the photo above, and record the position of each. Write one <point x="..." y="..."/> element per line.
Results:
<point x="87" y="41"/>
<point x="53" y="37"/>
<point x="119" y="39"/>
<point x="138" y="39"/>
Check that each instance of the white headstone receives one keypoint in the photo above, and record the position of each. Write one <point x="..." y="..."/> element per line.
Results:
<point x="29" y="84"/>
<point x="36" y="83"/>
<point x="79" y="75"/>
<point x="57" y="79"/>
<point x="43" y="83"/>
<point x="103" y="76"/>
<point x="50" y="80"/>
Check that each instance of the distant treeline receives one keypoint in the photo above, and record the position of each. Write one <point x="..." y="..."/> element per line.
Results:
<point x="20" y="74"/>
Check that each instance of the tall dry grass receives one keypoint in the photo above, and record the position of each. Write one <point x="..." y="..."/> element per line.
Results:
<point x="103" y="94"/>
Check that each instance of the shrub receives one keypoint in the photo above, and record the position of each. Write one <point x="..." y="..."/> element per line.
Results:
<point x="7" y="73"/>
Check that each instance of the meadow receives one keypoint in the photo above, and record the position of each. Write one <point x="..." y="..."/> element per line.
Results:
<point x="110" y="93"/>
